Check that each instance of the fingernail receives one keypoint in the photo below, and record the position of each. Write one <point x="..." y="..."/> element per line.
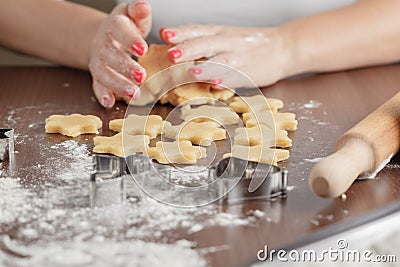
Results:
<point x="138" y="3"/>
<point x="167" y="34"/>
<point x="139" y="12"/>
<point x="174" y="54"/>
<point x="138" y="48"/>
<point x="105" y="100"/>
<point x="137" y="75"/>
<point x="131" y="92"/>
<point x="160" y="31"/>
<point x="216" y="81"/>
<point x="195" y="71"/>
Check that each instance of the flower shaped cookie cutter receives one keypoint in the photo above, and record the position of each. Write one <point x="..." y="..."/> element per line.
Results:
<point x="227" y="182"/>
<point x="6" y="144"/>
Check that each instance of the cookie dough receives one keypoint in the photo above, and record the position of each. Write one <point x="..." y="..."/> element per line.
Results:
<point x="179" y="152"/>
<point x="137" y="124"/>
<point x="255" y="103"/>
<point x="280" y="121"/>
<point x="198" y="133"/>
<point x="155" y="60"/>
<point x="221" y="115"/>
<point x="195" y="94"/>
<point x="258" y="153"/>
<point x="121" y="145"/>
<point x="73" y="125"/>
<point x="261" y="135"/>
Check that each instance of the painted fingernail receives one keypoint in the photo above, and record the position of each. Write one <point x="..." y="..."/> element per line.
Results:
<point x="167" y="34"/>
<point x="174" y="54"/>
<point x="138" y="3"/>
<point x="216" y="81"/>
<point x="131" y="92"/>
<point x="105" y="100"/>
<point x="137" y="75"/>
<point x="138" y="48"/>
<point x="140" y="12"/>
<point x="195" y="71"/>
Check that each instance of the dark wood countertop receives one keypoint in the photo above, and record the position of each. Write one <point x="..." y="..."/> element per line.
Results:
<point x="341" y="100"/>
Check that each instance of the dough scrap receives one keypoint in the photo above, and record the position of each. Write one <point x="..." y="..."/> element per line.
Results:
<point x="198" y="133"/>
<point x="73" y="125"/>
<point x="280" y="121"/>
<point x="155" y="60"/>
<point x="121" y="145"/>
<point x="221" y="115"/>
<point x="179" y="152"/>
<point x="255" y="103"/>
<point x="137" y="124"/>
<point x="261" y="135"/>
<point x="258" y="153"/>
<point x="195" y="94"/>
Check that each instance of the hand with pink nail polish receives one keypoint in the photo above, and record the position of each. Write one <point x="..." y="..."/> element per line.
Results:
<point x="79" y="36"/>
<point x="119" y="37"/>
<point x="257" y="52"/>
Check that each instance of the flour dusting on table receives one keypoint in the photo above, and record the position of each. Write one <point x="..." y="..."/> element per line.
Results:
<point x="55" y="224"/>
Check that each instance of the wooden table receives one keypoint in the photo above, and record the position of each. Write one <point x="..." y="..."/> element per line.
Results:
<point x="341" y="100"/>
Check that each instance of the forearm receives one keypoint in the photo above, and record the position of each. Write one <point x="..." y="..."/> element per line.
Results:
<point x="57" y="31"/>
<point x="366" y="33"/>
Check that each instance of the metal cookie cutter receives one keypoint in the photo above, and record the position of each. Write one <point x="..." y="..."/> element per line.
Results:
<point x="258" y="181"/>
<point x="110" y="179"/>
<point x="229" y="181"/>
<point x="6" y="144"/>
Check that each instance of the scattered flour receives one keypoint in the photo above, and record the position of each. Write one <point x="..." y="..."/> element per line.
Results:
<point x="50" y="219"/>
<point x="314" y="160"/>
<point x="258" y="213"/>
<point x="312" y="104"/>
<point x="195" y="228"/>
<point x="193" y="176"/>
<point x="392" y="166"/>
<point x="290" y="188"/>
<point x="110" y="253"/>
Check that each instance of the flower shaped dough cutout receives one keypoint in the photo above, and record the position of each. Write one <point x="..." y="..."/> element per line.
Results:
<point x="255" y="103"/>
<point x="261" y="135"/>
<point x="180" y="152"/>
<point x="198" y="133"/>
<point x="258" y="153"/>
<point x="73" y="125"/>
<point x="221" y="115"/>
<point x="281" y="121"/>
<point x="137" y="124"/>
<point x="121" y="145"/>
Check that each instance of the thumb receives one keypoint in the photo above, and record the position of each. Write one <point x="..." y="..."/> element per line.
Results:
<point x="140" y="13"/>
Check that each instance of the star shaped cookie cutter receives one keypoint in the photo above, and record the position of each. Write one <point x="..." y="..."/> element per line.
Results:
<point x="230" y="181"/>
<point x="6" y="144"/>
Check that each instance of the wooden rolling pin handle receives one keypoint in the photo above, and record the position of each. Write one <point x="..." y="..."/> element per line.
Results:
<point x="333" y="175"/>
<point x="360" y="150"/>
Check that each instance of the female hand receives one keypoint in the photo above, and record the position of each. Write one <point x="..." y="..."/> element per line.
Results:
<point x="115" y="74"/>
<point x="259" y="53"/>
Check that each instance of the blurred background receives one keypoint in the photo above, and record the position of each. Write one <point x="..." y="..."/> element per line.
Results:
<point x="12" y="58"/>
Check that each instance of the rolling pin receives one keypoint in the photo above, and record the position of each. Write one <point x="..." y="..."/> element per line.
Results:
<point x="361" y="150"/>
